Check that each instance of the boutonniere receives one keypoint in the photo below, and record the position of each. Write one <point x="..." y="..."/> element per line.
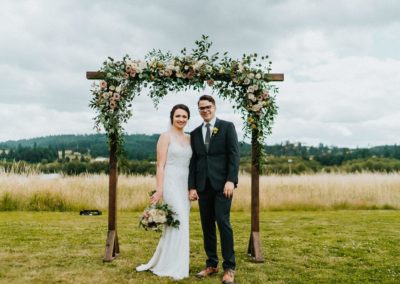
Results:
<point x="215" y="131"/>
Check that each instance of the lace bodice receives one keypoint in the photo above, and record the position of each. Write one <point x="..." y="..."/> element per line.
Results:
<point x="178" y="155"/>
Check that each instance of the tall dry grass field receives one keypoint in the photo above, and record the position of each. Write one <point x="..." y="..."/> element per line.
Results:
<point x="304" y="192"/>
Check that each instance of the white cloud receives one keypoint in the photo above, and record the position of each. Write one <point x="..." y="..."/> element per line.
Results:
<point x="340" y="61"/>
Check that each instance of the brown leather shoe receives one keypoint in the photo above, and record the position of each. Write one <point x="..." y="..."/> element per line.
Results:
<point x="207" y="272"/>
<point x="229" y="276"/>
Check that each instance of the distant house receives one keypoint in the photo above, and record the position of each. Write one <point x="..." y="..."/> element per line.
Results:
<point x="99" y="159"/>
<point x="77" y="155"/>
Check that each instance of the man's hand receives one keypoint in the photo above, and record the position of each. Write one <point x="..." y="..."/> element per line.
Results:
<point x="228" y="189"/>
<point x="193" y="196"/>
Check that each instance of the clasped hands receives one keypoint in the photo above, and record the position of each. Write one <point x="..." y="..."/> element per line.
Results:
<point x="228" y="191"/>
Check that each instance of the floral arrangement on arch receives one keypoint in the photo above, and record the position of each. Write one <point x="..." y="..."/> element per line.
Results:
<point x="244" y="82"/>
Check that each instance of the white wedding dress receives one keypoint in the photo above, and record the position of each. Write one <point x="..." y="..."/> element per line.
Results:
<point x="171" y="257"/>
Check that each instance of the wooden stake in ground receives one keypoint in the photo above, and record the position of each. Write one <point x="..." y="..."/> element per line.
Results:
<point x="254" y="248"/>
<point x="112" y="245"/>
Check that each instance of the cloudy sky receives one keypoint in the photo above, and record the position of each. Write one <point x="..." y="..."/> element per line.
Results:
<point x="341" y="61"/>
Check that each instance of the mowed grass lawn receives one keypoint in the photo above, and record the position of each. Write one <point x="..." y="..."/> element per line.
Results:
<point x="298" y="246"/>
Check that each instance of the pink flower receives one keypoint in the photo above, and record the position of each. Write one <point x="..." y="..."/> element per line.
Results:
<point x="116" y="96"/>
<point x="168" y="72"/>
<point x="103" y="84"/>
<point x="113" y="104"/>
<point x="210" y="82"/>
<point x="265" y="95"/>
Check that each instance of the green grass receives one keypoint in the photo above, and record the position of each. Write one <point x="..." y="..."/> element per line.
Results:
<point x="298" y="246"/>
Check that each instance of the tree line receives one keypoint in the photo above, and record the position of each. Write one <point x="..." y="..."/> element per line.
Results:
<point x="139" y="155"/>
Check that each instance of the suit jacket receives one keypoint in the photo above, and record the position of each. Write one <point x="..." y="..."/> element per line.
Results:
<point x="221" y="163"/>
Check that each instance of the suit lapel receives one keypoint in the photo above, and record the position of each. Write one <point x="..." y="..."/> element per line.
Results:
<point x="216" y="125"/>
<point x="199" y="137"/>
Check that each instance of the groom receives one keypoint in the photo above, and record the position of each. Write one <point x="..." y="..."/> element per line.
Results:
<point x="213" y="175"/>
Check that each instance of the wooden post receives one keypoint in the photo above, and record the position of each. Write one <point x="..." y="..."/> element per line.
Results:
<point x="254" y="248"/>
<point x="112" y="245"/>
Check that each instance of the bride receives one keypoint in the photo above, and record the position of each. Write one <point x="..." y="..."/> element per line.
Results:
<point x="171" y="257"/>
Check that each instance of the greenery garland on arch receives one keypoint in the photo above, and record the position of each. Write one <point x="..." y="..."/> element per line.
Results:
<point x="244" y="82"/>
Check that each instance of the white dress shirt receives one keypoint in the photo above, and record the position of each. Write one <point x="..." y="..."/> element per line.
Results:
<point x="204" y="128"/>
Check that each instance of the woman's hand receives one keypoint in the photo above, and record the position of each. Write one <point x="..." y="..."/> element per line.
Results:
<point x="156" y="197"/>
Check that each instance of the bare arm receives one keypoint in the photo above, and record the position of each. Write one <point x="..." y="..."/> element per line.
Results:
<point x="162" y="148"/>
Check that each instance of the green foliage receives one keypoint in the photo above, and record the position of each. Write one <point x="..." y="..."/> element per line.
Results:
<point x="33" y="154"/>
<point x="39" y="201"/>
<point x="8" y="202"/>
<point x="46" y="201"/>
<point x="372" y="165"/>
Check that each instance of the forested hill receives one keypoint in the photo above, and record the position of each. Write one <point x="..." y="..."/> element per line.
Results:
<point x="142" y="147"/>
<point x="138" y="146"/>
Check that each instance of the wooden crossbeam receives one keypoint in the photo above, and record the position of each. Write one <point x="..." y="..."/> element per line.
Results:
<point x="96" y="75"/>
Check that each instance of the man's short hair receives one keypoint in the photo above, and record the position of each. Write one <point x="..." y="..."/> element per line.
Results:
<point x="206" y="98"/>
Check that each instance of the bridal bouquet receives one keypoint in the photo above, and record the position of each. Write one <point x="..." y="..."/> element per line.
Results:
<point x="156" y="216"/>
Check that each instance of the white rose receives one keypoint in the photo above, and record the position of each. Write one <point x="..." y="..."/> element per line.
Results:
<point x="112" y="88"/>
<point x="250" y="89"/>
<point x="250" y="75"/>
<point x="251" y="97"/>
<point x="256" y="107"/>
<point x="198" y="64"/>
<point x="258" y="76"/>
<point x="118" y="89"/>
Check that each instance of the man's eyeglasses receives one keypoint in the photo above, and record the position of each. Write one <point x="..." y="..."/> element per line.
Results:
<point x="205" y="108"/>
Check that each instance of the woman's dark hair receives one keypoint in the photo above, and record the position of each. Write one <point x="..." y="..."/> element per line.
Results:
<point x="206" y="98"/>
<point x="180" y="106"/>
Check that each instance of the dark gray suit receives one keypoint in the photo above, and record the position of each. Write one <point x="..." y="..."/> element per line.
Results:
<point x="208" y="173"/>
